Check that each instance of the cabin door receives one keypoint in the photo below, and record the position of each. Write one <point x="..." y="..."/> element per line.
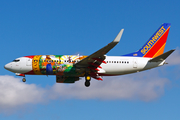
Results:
<point x="135" y="64"/>
<point x="29" y="62"/>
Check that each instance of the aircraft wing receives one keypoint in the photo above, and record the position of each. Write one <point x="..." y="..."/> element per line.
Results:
<point x="100" y="54"/>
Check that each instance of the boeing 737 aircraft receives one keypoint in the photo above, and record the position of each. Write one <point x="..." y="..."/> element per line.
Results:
<point x="69" y="68"/>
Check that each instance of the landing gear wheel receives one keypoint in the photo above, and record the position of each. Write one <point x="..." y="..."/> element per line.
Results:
<point x="24" y="79"/>
<point x="87" y="82"/>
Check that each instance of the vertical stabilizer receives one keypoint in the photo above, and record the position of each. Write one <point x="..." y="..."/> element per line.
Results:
<point x="155" y="45"/>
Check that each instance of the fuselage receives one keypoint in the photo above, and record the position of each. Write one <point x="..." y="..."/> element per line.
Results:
<point x="64" y="65"/>
<point x="68" y="68"/>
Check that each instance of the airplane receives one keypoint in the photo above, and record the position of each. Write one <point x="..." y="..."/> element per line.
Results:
<point x="69" y="68"/>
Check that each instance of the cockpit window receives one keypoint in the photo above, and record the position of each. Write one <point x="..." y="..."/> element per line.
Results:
<point x="16" y="60"/>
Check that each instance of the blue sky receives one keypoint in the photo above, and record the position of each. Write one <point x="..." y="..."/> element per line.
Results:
<point x="83" y="27"/>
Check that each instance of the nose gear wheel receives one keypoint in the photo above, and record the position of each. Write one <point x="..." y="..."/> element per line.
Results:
<point x="24" y="79"/>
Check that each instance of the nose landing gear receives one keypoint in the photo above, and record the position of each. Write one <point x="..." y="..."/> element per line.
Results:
<point x="87" y="82"/>
<point x="24" y="79"/>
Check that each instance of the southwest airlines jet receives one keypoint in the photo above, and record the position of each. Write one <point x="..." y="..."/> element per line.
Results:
<point x="69" y="68"/>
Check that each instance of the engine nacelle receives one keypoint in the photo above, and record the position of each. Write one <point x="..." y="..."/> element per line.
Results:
<point x="62" y="79"/>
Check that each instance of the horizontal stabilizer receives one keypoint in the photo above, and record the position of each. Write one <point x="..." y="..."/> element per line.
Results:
<point x="162" y="56"/>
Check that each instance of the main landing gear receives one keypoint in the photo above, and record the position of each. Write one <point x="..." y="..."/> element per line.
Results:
<point x="24" y="79"/>
<point x="87" y="82"/>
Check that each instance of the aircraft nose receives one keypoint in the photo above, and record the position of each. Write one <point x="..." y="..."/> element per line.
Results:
<point x="8" y="66"/>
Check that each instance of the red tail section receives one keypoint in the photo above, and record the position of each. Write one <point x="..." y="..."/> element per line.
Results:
<point x="155" y="45"/>
<point x="158" y="48"/>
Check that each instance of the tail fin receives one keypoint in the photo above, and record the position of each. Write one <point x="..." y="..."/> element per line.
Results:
<point x="155" y="45"/>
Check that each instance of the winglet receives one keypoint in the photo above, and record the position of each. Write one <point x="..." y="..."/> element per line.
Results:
<point x="118" y="37"/>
